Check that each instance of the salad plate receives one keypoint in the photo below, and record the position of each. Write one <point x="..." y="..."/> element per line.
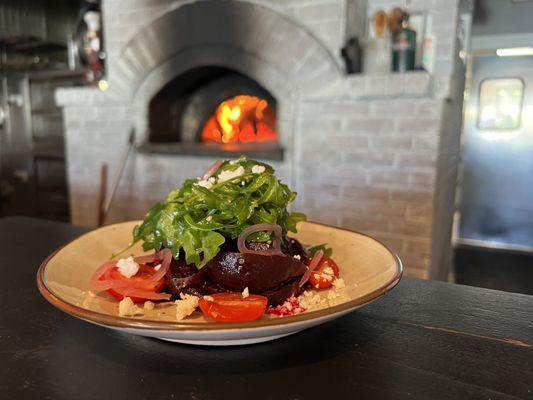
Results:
<point x="221" y="261"/>
<point x="369" y="269"/>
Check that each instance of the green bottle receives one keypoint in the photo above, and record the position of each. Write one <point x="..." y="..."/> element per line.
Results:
<point x="403" y="49"/>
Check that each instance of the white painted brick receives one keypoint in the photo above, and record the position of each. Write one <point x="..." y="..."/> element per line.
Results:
<point x="369" y="125"/>
<point x="320" y="12"/>
<point x="391" y="141"/>
<point x="416" y="160"/>
<point x="392" y="178"/>
<point x="418" y="125"/>
<point x="394" y="84"/>
<point x="396" y="107"/>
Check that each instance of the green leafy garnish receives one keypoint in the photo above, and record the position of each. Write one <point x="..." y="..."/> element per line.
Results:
<point x="328" y="251"/>
<point x="198" y="217"/>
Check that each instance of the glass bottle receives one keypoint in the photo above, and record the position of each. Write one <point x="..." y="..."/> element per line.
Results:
<point x="403" y="48"/>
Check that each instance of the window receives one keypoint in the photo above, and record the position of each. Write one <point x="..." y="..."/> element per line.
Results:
<point x="500" y="104"/>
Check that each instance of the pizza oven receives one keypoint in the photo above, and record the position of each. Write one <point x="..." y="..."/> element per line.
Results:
<point x="213" y="111"/>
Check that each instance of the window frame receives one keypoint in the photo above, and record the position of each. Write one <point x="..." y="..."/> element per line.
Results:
<point x="478" y="117"/>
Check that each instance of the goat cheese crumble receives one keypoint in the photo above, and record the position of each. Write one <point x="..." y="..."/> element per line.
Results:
<point x="226" y="175"/>
<point x="258" y="169"/>
<point x="245" y="293"/>
<point x="206" y="183"/>
<point x="338" y="283"/>
<point x="127" y="267"/>
<point x="127" y="308"/>
<point x="185" y="306"/>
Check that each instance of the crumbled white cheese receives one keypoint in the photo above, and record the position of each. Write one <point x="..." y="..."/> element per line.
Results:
<point x="209" y="298"/>
<point x="328" y="274"/>
<point x="297" y="256"/>
<point x="245" y="293"/>
<point x="91" y="294"/>
<point x="157" y="267"/>
<point x="127" y="267"/>
<point x="338" y="283"/>
<point x="148" y="305"/>
<point x="258" y="169"/>
<point x="205" y="183"/>
<point x="312" y="301"/>
<point x="209" y="218"/>
<point x="185" y="306"/>
<point x="226" y="175"/>
<point x="127" y="308"/>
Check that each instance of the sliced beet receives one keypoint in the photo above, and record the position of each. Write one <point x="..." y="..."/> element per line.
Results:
<point x="185" y="278"/>
<point x="281" y="293"/>
<point x="292" y="247"/>
<point x="273" y="276"/>
<point x="257" y="272"/>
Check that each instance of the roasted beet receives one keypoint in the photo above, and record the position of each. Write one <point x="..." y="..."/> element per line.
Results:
<point x="274" y="276"/>
<point x="281" y="293"/>
<point x="236" y="271"/>
<point x="185" y="278"/>
<point x="292" y="247"/>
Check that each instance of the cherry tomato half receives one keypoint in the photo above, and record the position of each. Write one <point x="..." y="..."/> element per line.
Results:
<point x="232" y="307"/>
<point x="324" y="274"/>
<point x="140" y="281"/>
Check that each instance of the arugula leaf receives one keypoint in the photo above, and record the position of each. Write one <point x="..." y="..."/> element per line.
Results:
<point x="197" y="220"/>
<point x="328" y="251"/>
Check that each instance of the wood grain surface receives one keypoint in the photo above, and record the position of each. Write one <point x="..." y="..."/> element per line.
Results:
<point x="424" y="340"/>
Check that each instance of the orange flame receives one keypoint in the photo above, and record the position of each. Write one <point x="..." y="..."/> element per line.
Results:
<point x="241" y="119"/>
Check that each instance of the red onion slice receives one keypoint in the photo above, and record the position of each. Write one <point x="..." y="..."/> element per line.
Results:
<point x="212" y="169"/>
<point x="119" y="285"/>
<point x="165" y="256"/>
<point x="276" y="243"/>
<point x="144" y="294"/>
<point x="151" y="258"/>
<point x="98" y="285"/>
<point x="312" y="266"/>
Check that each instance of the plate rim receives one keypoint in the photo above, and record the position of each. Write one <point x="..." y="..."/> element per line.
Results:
<point x="125" y="322"/>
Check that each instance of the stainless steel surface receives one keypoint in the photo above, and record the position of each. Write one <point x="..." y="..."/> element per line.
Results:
<point x="16" y="165"/>
<point x="22" y="19"/>
<point x="32" y="166"/>
<point x="496" y="203"/>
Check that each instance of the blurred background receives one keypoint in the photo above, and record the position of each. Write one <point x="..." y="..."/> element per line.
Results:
<point x="408" y="120"/>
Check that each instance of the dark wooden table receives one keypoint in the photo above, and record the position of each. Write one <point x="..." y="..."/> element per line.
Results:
<point x="424" y="340"/>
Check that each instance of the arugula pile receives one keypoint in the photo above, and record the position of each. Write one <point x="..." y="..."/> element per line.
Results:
<point x="198" y="217"/>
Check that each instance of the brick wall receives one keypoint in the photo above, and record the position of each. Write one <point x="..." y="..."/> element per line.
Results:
<point x="364" y="152"/>
<point x="369" y="163"/>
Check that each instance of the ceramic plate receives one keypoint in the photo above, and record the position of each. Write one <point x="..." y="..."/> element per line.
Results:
<point x="369" y="269"/>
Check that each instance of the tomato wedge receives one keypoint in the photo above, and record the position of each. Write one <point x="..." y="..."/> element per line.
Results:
<point x="324" y="274"/>
<point x="232" y="307"/>
<point x="139" y="284"/>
